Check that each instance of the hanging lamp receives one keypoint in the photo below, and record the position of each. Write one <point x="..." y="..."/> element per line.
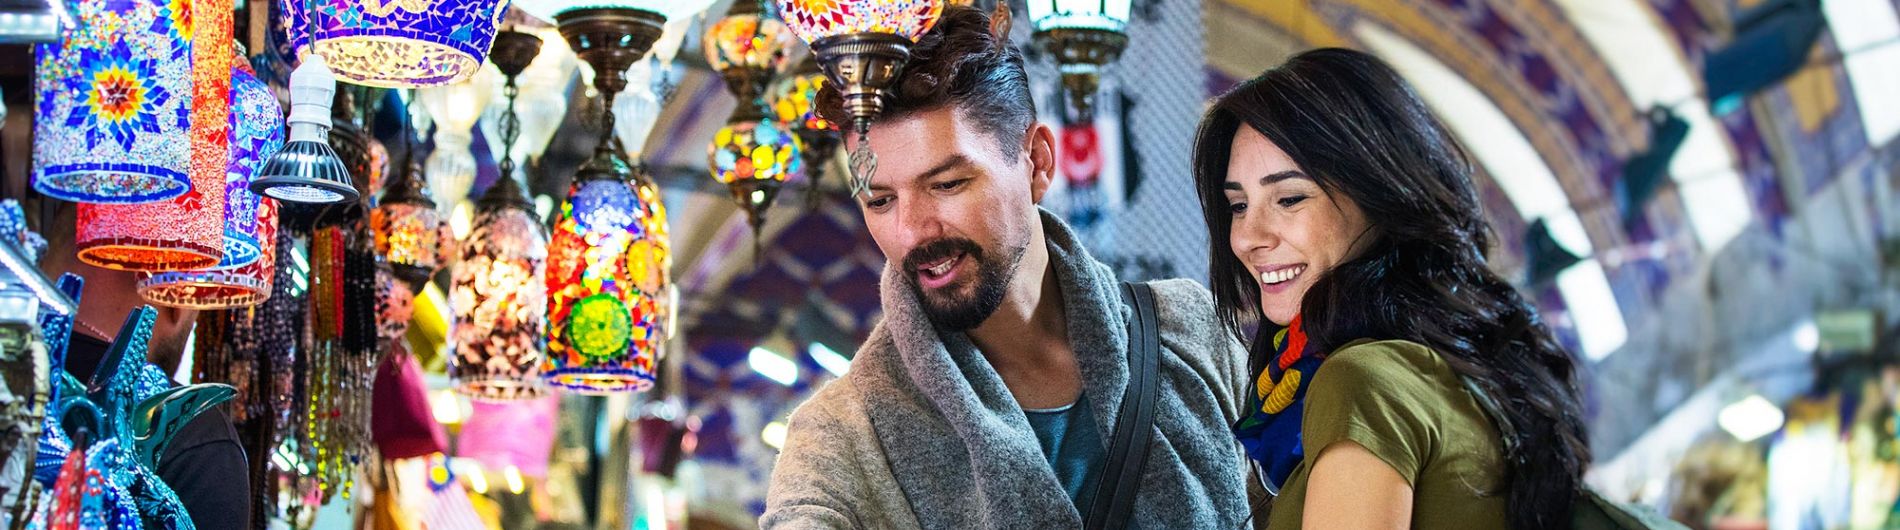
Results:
<point x="1084" y="36"/>
<point x="791" y="100"/>
<point x="455" y="108"/>
<point x="747" y="48"/>
<point x="250" y="226"/>
<point x="499" y="293"/>
<point x="399" y="43"/>
<point x="603" y="326"/>
<point x="108" y="97"/>
<point x="862" y="46"/>
<point x="752" y="156"/>
<point x="185" y="231"/>
<point x="410" y="234"/>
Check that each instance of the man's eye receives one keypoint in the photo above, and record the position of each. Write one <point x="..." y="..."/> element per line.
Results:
<point x="949" y="185"/>
<point x="878" y="202"/>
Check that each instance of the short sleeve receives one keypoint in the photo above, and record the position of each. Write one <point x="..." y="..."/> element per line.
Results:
<point x="1375" y="395"/>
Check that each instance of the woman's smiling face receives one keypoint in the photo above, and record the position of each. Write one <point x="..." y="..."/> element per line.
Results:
<point x="1286" y="228"/>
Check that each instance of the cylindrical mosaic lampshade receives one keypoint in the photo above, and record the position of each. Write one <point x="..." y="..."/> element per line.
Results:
<point x="257" y="132"/>
<point x="603" y="323"/>
<point x="500" y="301"/>
<point x="112" y="97"/>
<point x="184" y="232"/>
<point x="399" y="43"/>
<point x="221" y="287"/>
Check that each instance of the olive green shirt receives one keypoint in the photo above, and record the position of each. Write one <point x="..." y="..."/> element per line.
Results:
<point x="1400" y="401"/>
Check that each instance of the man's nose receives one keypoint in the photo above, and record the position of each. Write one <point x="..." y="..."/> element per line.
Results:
<point x="918" y="222"/>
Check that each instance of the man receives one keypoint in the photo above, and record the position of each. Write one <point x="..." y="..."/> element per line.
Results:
<point x="204" y="464"/>
<point x="987" y="396"/>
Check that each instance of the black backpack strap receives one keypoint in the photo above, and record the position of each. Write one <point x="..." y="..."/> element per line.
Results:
<point x="1113" y="501"/>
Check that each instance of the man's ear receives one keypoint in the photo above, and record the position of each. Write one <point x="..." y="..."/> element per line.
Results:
<point x="1042" y="159"/>
<point x="173" y="322"/>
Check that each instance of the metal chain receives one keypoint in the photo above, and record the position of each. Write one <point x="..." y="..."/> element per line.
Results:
<point x="607" y="120"/>
<point x="510" y="129"/>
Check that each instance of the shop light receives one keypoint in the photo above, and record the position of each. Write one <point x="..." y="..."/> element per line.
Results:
<point x="1807" y="337"/>
<point x="773" y="366"/>
<point x="831" y="360"/>
<point x="513" y="475"/>
<point x="1751" y="418"/>
<point x="774" y="435"/>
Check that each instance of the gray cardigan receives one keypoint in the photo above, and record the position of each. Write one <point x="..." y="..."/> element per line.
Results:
<point x="922" y="433"/>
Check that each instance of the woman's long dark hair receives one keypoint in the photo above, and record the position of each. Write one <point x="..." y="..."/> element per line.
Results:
<point x="1351" y="123"/>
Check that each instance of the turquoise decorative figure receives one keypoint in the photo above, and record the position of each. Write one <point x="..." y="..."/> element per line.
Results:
<point x="139" y="412"/>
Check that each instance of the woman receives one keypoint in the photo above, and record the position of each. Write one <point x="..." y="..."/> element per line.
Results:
<point x="1402" y="383"/>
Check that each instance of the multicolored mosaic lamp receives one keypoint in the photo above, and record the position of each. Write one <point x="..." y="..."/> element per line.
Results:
<point x="256" y="133"/>
<point x="399" y="43"/>
<point x="307" y="170"/>
<point x="411" y="235"/>
<point x="112" y="97"/>
<point x="752" y="157"/>
<point x="604" y="272"/>
<point x="862" y="46"/>
<point x="500" y="292"/>
<point x="747" y="47"/>
<point x="1084" y="36"/>
<point x="243" y="277"/>
<point x="790" y="100"/>
<point x="182" y="232"/>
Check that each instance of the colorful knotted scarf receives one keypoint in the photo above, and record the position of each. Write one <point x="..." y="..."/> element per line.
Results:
<point x="1270" y="431"/>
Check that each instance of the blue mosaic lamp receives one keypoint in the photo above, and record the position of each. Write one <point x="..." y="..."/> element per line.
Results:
<point x="398" y="43"/>
<point x="114" y="107"/>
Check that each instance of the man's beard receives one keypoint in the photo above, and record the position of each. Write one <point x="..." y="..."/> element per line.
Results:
<point x="947" y="308"/>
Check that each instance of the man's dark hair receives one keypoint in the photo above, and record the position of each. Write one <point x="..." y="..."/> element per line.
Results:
<point x="958" y="62"/>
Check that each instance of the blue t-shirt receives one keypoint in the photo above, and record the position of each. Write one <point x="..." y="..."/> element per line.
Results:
<point x="1073" y="445"/>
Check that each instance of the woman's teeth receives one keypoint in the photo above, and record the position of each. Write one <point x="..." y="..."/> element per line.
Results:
<point x="1282" y="275"/>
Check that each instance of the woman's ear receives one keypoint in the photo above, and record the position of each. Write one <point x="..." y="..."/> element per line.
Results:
<point x="1042" y="159"/>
